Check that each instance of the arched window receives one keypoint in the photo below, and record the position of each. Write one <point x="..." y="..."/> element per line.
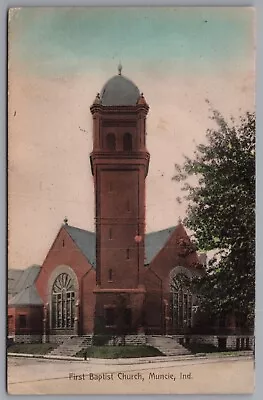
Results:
<point x="111" y="142"/>
<point x="182" y="300"/>
<point x="63" y="302"/>
<point x="127" y="142"/>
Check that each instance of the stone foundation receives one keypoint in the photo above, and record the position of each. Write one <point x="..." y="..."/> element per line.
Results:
<point x="231" y="342"/>
<point x="58" y="339"/>
<point x="116" y="340"/>
<point x="102" y="340"/>
<point x="27" y="338"/>
<point x="228" y="342"/>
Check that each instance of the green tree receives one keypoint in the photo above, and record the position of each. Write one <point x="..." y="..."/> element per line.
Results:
<point x="221" y="213"/>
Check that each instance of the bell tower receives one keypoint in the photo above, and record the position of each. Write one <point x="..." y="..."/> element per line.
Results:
<point x="119" y="164"/>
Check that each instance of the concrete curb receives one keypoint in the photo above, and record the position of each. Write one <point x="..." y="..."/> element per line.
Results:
<point x="45" y="356"/>
<point x="144" y="360"/>
<point x="149" y="360"/>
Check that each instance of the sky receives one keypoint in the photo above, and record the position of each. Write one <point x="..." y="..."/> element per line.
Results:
<point x="59" y="58"/>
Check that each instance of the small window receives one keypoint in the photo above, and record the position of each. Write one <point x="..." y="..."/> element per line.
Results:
<point x="128" y="254"/>
<point x="10" y="323"/>
<point x="110" y="233"/>
<point x="110" y="275"/>
<point x="127" y="142"/>
<point x="109" y="316"/>
<point x="63" y="243"/>
<point x="22" y="321"/>
<point x="111" y="142"/>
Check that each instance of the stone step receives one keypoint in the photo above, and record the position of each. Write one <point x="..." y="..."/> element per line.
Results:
<point x="71" y="346"/>
<point x="167" y="345"/>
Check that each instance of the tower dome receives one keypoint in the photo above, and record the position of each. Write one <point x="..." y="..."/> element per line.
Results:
<point x="119" y="91"/>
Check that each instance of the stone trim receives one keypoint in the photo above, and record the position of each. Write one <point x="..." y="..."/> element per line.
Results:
<point x="180" y="270"/>
<point x="110" y="290"/>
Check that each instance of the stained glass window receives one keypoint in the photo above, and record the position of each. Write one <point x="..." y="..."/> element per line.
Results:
<point x="181" y="301"/>
<point x="63" y="302"/>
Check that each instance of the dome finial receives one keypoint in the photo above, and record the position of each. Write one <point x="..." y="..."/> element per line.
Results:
<point x="119" y="68"/>
<point x="65" y="221"/>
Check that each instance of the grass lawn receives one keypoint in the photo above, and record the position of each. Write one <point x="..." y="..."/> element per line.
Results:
<point x="31" y="348"/>
<point x="206" y="348"/>
<point x="119" y="352"/>
<point x="201" y="348"/>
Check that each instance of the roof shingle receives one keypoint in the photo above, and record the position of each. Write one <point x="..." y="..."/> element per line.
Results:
<point x="28" y="296"/>
<point x="86" y="242"/>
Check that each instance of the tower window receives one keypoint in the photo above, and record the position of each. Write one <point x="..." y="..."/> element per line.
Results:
<point x="111" y="142"/>
<point x="110" y="275"/>
<point x="128" y="254"/>
<point x="127" y="142"/>
<point x="63" y="243"/>
<point x="110" y="233"/>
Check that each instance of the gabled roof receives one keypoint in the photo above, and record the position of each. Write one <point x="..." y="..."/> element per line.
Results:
<point x="155" y="241"/>
<point x="86" y="242"/>
<point x="28" y="278"/>
<point x="19" y="280"/>
<point x="28" y="296"/>
<point x="21" y="285"/>
<point x="13" y="278"/>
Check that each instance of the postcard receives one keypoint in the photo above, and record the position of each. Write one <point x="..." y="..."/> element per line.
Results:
<point x="131" y="200"/>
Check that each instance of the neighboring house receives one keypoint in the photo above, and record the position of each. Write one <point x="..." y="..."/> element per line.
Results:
<point x="25" y="307"/>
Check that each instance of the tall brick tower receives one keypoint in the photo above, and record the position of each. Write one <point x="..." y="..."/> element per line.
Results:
<point x="119" y="163"/>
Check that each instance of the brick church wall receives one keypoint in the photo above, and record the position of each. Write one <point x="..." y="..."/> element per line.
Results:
<point x="64" y="252"/>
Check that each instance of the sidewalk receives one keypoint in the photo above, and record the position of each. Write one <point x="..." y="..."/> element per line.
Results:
<point x="141" y="360"/>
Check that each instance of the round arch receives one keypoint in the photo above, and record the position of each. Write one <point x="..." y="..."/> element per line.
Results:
<point x="111" y="142"/>
<point x="181" y="299"/>
<point x="63" y="290"/>
<point x="127" y="142"/>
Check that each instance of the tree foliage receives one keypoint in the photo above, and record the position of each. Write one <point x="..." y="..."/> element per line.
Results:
<point x="221" y="213"/>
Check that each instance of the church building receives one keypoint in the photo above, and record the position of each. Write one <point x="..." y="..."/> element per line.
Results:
<point x="119" y="280"/>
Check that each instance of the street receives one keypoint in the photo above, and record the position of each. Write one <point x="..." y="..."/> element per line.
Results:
<point x="204" y="376"/>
